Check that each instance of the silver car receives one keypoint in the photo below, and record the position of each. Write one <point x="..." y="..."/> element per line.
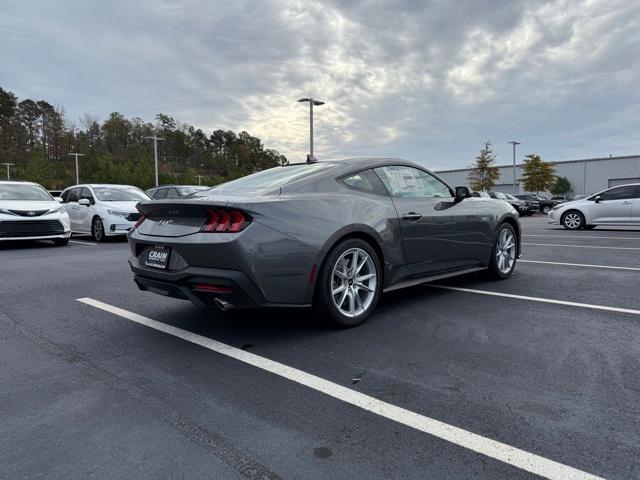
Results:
<point x="333" y="235"/>
<point x="615" y="206"/>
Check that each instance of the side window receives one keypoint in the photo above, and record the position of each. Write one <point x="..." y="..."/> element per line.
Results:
<point x="64" y="195"/>
<point x="172" y="193"/>
<point x="365" y="181"/>
<point x="410" y="182"/>
<point x="86" y="193"/>
<point x="73" y="195"/>
<point x="161" y="194"/>
<point x="619" y="193"/>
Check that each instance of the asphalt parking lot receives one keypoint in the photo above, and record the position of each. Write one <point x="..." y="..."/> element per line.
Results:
<point x="538" y="373"/>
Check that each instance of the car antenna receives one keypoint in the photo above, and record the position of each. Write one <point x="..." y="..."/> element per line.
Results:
<point x="311" y="159"/>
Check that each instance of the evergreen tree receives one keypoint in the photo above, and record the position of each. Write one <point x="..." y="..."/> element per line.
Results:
<point x="484" y="173"/>
<point x="561" y="186"/>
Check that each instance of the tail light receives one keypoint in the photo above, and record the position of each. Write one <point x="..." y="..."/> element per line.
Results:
<point x="140" y="220"/>
<point x="228" y="221"/>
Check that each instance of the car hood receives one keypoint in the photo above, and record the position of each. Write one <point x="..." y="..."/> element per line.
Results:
<point x="28" y="205"/>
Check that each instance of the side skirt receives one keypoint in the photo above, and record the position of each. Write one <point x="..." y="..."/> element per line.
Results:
<point x="440" y="276"/>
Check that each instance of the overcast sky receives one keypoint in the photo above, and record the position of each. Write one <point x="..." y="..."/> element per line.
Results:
<point x="425" y="80"/>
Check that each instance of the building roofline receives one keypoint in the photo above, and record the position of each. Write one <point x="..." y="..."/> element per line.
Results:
<point x="579" y="160"/>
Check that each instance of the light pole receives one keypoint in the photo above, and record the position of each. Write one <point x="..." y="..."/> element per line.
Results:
<point x="77" y="171"/>
<point x="9" y="165"/>
<point x="312" y="102"/>
<point x="514" y="143"/>
<point x="199" y="177"/>
<point x="155" y="152"/>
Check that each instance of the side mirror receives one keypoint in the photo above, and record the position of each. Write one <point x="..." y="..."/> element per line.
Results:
<point x="84" y="201"/>
<point x="462" y="193"/>
<point x="597" y="199"/>
<point x="58" y="199"/>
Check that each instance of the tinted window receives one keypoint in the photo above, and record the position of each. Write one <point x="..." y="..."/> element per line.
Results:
<point x="13" y="191"/>
<point x="411" y="182"/>
<point x="161" y="194"/>
<point x="73" y="195"/>
<point x="64" y="196"/>
<point x="619" y="193"/>
<point x="86" y="193"/>
<point x="365" y="181"/>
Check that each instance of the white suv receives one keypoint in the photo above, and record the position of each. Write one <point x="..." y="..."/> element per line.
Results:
<point x="102" y="210"/>
<point x="29" y="212"/>
<point x="615" y="206"/>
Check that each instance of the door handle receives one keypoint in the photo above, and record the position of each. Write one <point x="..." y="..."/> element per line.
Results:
<point x="411" y="216"/>
<point x="626" y="202"/>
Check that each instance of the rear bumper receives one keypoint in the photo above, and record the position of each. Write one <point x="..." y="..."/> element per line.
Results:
<point x="202" y="286"/>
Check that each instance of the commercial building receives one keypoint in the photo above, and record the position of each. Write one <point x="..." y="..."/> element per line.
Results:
<point x="586" y="176"/>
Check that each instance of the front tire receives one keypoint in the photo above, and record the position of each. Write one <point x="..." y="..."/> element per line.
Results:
<point x="504" y="252"/>
<point x="573" y="220"/>
<point x="97" y="230"/>
<point x="349" y="284"/>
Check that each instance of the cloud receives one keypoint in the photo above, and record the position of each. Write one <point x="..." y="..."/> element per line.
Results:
<point x="428" y="81"/>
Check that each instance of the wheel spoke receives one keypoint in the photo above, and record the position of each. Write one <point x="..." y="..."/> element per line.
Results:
<point x="366" y="277"/>
<point x="341" y="288"/>
<point x="361" y="264"/>
<point x="364" y="287"/>
<point x="358" y="300"/>
<point x="342" y="298"/>
<point x="352" y="303"/>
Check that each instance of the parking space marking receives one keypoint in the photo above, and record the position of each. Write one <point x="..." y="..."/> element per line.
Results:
<point x="579" y="246"/>
<point x="539" y="299"/>
<point x="516" y="457"/>
<point x="83" y="243"/>
<point x="587" y="265"/>
<point x="580" y="236"/>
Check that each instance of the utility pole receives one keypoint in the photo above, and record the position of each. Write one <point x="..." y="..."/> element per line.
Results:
<point x="199" y="177"/>
<point x="77" y="170"/>
<point x="312" y="102"/>
<point x="155" y="152"/>
<point x="514" y="143"/>
<point x="9" y="165"/>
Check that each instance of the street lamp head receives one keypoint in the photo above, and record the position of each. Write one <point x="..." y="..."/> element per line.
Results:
<point x="304" y="99"/>
<point x="514" y="142"/>
<point x="318" y="102"/>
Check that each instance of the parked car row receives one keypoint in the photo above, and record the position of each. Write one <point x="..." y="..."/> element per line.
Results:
<point x="29" y="212"/>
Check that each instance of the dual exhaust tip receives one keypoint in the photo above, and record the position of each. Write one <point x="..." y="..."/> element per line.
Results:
<point x="222" y="305"/>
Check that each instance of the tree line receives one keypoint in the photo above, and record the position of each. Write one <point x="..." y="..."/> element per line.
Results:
<point x="37" y="138"/>
<point x="538" y="175"/>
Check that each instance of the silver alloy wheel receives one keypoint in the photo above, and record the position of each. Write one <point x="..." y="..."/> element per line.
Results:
<point x="572" y="220"/>
<point x="505" y="250"/>
<point x="353" y="282"/>
<point x="98" y="230"/>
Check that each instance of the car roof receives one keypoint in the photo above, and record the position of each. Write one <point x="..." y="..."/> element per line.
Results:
<point x="19" y="182"/>
<point x="100" y="185"/>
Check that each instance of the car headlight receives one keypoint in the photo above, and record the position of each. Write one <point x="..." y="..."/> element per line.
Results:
<point x="117" y="213"/>
<point x="57" y="210"/>
<point x="555" y="208"/>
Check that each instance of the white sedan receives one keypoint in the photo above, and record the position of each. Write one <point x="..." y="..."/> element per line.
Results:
<point x="615" y="206"/>
<point x="29" y="212"/>
<point x="102" y="210"/>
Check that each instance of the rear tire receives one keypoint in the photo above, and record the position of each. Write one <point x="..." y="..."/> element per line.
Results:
<point x="97" y="230"/>
<point x="349" y="284"/>
<point x="572" y="220"/>
<point x="504" y="252"/>
<point x="546" y="209"/>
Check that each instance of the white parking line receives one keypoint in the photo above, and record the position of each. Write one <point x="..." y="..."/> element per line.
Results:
<point x="539" y="299"/>
<point x="83" y="243"/>
<point x="579" y="246"/>
<point x="500" y="451"/>
<point x="577" y="235"/>
<point x="579" y="265"/>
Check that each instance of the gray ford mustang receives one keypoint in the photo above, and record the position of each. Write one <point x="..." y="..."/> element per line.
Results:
<point x="333" y="235"/>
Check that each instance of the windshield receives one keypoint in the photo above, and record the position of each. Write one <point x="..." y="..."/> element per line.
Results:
<point x="120" y="194"/>
<point x="273" y="177"/>
<point x="24" y="192"/>
<point x="499" y="195"/>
